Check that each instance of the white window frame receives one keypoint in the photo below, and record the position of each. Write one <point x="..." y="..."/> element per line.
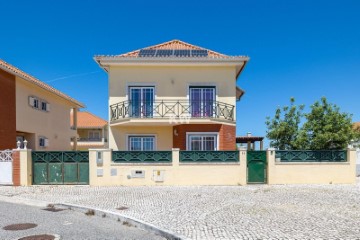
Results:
<point x="140" y="135"/>
<point x="203" y="134"/>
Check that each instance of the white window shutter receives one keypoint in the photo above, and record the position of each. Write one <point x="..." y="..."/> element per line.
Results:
<point x="48" y="107"/>
<point x="46" y="142"/>
<point x="31" y="101"/>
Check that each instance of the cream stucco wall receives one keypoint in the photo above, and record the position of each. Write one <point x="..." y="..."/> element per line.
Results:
<point x="312" y="172"/>
<point x="54" y="125"/>
<point x="118" y="136"/>
<point x="175" y="173"/>
<point x="172" y="82"/>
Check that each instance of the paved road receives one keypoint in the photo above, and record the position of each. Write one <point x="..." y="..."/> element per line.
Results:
<point x="68" y="224"/>
<point x="222" y="212"/>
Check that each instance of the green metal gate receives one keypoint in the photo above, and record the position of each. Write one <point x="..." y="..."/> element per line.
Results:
<point x="69" y="167"/>
<point x="256" y="167"/>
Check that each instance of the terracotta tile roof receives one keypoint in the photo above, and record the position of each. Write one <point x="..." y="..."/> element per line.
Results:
<point x="170" y="45"/>
<point x="88" y="120"/>
<point x="14" y="70"/>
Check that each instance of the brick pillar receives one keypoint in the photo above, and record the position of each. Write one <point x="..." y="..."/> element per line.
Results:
<point x="16" y="167"/>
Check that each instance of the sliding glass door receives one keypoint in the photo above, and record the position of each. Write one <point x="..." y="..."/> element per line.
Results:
<point x="141" y="101"/>
<point x="202" y="100"/>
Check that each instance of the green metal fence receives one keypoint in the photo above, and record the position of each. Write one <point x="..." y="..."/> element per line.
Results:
<point x="209" y="156"/>
<point x="142" y="156"/>
<point x="60" y="167"/>
<point x="311" y="156"/>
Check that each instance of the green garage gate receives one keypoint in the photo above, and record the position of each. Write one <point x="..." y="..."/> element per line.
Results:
<point x="60" y="167"/>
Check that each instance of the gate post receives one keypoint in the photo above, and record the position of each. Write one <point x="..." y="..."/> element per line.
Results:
<point x="243" y="165"/>
<point x="100" y="167"/>
<point x="25" y="167"/>
<point x="270" y="157"/>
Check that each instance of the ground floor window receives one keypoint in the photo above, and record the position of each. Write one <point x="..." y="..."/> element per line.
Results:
<point x="202" y="142"/>
<point x="141" y="143"/>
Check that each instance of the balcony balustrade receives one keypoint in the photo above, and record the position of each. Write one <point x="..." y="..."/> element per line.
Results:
<point x="172" y="109"/>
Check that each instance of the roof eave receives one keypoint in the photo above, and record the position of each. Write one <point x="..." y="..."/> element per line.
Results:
<point x="105" y="62"/>
<point x="78" y="104"/>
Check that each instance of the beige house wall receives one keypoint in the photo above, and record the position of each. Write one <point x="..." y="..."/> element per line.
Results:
<point x="172" y="82"/>
<point x="312" y="172"/>
<point x="54" y="125"/>
<point x="118" y="136"/>
<point x="175" y="173"/>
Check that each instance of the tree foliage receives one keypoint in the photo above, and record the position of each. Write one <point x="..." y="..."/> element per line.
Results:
<point x="284" y="127"/>
<point x="325" y="127"/>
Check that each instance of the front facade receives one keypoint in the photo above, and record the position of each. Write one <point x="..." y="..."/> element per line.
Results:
<point x="33" y="111"/>
<point x="91" y="131"/>
<point x="172" y="95"/>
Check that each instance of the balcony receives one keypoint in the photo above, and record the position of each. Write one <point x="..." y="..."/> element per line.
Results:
<point x="172" y="109"/>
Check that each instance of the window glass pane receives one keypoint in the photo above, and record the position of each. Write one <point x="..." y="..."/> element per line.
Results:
<point x="148" y="144"/>
<point x="208" y="101"/>
<point x="147" y="102"/>
<point x="135" y="98"/>
<point x="195" y="143"/>
<point x="135" y="144"/>
<point x="209" y="143"/>
<point x="195" y="102"/>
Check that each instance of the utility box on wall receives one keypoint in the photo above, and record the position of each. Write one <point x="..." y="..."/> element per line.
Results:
<point x="158" y="175"/>
<point x="137" y="173"/>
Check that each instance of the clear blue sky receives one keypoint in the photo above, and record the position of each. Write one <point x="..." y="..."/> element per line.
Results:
<point x="305" y="49"/>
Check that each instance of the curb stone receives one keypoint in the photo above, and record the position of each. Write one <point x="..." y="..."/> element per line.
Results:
<point x="57" y="237"/>
<point x="133" y="221"/>
<point x="99" y="212"/>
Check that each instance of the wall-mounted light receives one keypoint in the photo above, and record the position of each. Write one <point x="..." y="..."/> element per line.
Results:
<point x="175" y="132"/>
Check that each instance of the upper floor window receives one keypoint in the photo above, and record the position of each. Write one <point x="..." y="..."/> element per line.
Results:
<point x="141" y="101"/>
<point x="39" y="104"/>
<point x="202" y="101"/>
<point x="94" y="135"/>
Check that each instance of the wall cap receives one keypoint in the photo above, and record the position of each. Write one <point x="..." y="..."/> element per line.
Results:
<point x="312" y="163"/>
<point x="209" y="163"/>
<point x="100" y="149"/>
<point x="113" y="164"/>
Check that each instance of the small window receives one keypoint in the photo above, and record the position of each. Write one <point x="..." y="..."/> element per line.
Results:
<point x="43" y="142"/>
<point x="34" y="102"/>
<point x="43" y="106"/>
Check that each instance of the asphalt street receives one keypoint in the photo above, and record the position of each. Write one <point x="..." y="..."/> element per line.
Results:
<point x="68" y="224"/>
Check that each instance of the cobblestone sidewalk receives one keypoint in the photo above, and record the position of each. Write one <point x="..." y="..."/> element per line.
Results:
<point x="244" y="212"/>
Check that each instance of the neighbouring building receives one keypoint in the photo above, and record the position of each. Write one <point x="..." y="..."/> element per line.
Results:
<point x="172" y="95"/>
<point x="91" y="131"/>
<point x="34" y="111"/>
